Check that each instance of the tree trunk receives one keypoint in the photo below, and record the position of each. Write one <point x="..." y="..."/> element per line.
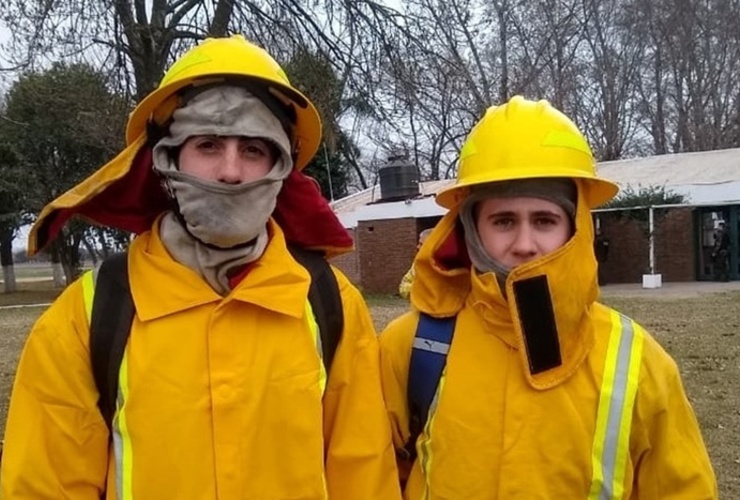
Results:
<point x="57" y="270"/>
<point x="502" y="11"/>
<point x="9" y="282"/>
<point x="6" y="258"/>
<point x="70" y="257"/>
<point x="221" y="17"/>
<point x="91" y="251"/>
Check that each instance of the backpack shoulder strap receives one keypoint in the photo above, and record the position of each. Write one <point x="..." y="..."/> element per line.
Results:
<point x="110" y="325"/>
<point x="432" y="342"/>
<point x="325" y="299"/>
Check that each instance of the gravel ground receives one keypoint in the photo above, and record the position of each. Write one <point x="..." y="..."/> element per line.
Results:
<point x="698" y="325"/>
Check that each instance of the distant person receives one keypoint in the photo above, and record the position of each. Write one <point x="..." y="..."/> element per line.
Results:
<point x="508" y="379"/>
<point x="226" y="387"/>
<point x="404" y="288"/>
<point x="601" y="250"/>
<point x="721" y="253"/>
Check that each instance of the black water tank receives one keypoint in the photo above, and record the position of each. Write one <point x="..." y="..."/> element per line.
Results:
<point x="398" y="180"/>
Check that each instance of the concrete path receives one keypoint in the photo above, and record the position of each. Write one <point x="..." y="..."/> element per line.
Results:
<point x="30" y="279"/>
<point x="24" y="306"/>
<point x="669" y="290"/>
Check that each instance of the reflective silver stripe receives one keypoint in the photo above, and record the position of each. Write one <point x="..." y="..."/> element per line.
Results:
<point x="122" y="438"/>
<point x="619" y="390"/>
<point x="431" y="345"/>
<point x="616" y="403"/>
<point x="118" y="453"/>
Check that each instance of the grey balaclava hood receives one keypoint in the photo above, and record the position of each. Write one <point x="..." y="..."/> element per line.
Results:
<point x="561" y="191"/>
<point x="220" y="226"/>
<point x="216" y="213"/>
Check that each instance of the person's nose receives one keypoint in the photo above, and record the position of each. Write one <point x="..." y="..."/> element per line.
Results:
<point x="229" y="169"/>
<point x="524" y="243"/>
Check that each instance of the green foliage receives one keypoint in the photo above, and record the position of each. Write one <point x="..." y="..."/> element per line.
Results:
<point x="315" y="76"/>
<point x="11" y="202"/>
<point x="645" y="196"/>
<point x="59" y="126"/>
<point x="338" y="168"/>
<point x="11" y="196"/>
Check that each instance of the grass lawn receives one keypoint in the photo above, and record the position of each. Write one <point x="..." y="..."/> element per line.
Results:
<point x="701" y="333"/>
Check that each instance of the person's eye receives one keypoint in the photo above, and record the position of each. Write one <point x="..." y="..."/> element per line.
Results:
<point x="206" y="144"/>
<point x="256" y="148"/>
<point x="546" y="221"/>
<point x="502" y="222"/>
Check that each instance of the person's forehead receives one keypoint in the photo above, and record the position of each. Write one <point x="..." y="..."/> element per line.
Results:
<point x="230" y="138"/>
<point x="518" y="203"/>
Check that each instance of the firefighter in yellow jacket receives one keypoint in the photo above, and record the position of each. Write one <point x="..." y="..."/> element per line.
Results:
<point x="222" y="393"/>
<point x="545" y="393"/>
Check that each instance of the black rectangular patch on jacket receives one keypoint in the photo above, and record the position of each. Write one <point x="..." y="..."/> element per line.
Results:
<point x="537" y="319"/>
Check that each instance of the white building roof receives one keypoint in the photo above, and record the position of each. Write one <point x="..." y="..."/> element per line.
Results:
<point x="705" y="177"/>
<point x="707" y="167"/>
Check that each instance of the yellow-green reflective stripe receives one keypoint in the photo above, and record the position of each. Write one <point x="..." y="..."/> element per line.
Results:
<point x="616" y="402"/>
<point x="425" y="442"/>
<point x="314" y="329"/>
<point x="566" y="139"/>
<point x="88" y="292"/>
<point x="121" y="437"/>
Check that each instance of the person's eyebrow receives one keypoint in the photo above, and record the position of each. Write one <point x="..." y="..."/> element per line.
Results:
<point x="553" y="213"/>
<point x="502" y="213"/>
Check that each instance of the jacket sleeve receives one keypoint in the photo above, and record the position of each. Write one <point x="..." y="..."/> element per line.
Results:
<point x="360" y="462"/>
<point x="404" y="288"/>
<point x="56" y="443"/>
<point x="670" y="457"/>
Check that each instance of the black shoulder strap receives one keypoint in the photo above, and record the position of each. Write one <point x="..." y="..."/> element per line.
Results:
<point x="110" y="326"/>
<point x="325" y="299"/>
<point x="432" y="342"/>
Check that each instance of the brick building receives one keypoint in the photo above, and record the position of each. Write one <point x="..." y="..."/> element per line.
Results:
<point x="385" y="231"/>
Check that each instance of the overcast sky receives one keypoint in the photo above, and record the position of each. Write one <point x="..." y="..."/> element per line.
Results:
<point x="4" y="77"/>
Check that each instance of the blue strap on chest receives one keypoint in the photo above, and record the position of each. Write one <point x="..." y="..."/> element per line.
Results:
<point x="428" y="358"/>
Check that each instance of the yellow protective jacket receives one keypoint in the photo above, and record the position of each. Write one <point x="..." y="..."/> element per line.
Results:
<point x="221" y="396"/>
<point x="404" y="288"/>
<point x="500" y="429"/>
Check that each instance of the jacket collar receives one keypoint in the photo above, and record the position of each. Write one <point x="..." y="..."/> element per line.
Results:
<point x="161" y="286"/>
